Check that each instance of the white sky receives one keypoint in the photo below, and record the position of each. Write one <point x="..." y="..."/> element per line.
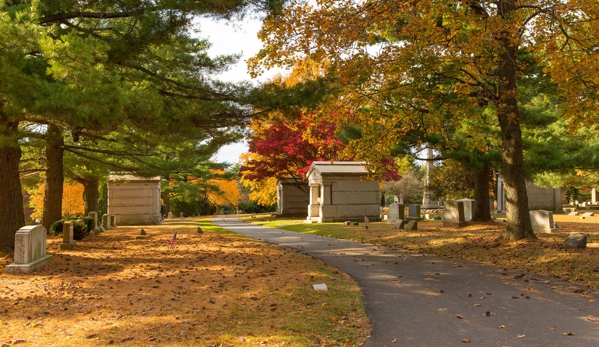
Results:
<point x="226" y="38"/>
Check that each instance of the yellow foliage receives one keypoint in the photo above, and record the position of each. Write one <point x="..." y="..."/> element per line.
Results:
<point x="263" y="192"/>
<point x="72" y="200"/>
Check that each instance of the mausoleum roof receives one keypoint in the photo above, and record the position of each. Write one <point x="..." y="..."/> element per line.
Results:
<point x="338" y="168"/>
<point x="129" y="177"/>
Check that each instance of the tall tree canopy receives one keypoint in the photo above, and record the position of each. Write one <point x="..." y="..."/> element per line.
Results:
<point x="89" y="68"/>
<point x="444" y="59"/>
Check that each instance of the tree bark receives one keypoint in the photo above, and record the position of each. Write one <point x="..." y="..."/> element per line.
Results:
<point x="482" y="211"/>
<point x="54" y="176"/>
<point x="91" y="195"/>
<point x="12" y="217"/>
<point x="518" y="217"/>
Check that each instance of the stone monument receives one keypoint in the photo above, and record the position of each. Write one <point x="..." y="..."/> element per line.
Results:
<point x="30" y="250"/>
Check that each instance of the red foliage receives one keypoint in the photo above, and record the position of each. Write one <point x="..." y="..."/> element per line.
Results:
<point x="287" y="149"/>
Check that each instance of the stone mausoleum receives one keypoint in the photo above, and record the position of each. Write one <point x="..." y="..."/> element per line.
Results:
<point x="340" y="191"/>
<point x="292" y="197"/>
<point x="134" y="200"/>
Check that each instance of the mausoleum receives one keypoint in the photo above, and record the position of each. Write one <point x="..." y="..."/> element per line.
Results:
<point x="341" y="191"/>
<point x="292" y="197"/>
<point x="134" y="200"/>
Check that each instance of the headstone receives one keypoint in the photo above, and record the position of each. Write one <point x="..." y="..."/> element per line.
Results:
<point x="170" y="215"/>
<point x="30" y="250"/>
<point x="401" y="199"/>
<point x="396" y="211"/>
<point x="542" y="221"/>
<point x="594" y="196"/>
<point x="412" y="225"/>
<point x="469" y="206"/>
<point x="106" y="222"/>
<point x="67" y="236"/>
<point x="414" y="211"/>
<point x="94" y="215"/>
<point x="573" y="213"/>
<point x="454" y="214"/>
<point x="112" y="221"/>
<point x="181" y="215"/>
<point x="400" y="224"/>
<point x="576" y="240"/>
<point x="588" y="214"/>
<point x="347" y="223"/>
<point x="396" y="199"/>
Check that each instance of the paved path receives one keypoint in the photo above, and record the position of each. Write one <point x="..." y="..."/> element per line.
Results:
<point x="423" y="300"/>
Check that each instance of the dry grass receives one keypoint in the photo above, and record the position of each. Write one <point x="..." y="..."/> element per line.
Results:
<point x="214" y="289"/>
<point x="479" y="242"/>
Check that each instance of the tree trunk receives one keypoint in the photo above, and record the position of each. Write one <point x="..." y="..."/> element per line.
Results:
<point x="12" y="217"/>
<point x="91" y="195"/>
<point x="54" y="176"/>
<point x="482" y="211"/>
<point x="518" y="217"/>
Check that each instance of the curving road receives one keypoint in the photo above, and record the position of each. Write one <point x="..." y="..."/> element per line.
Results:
<point x="420" y="300"/>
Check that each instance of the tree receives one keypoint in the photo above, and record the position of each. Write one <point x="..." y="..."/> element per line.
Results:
<point x="89" y="68"/>
<point x="445" y="59"/>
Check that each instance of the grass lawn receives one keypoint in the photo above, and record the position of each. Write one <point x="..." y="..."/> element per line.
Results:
<point x="477" y="242"/>
<point x="214" y="289"/>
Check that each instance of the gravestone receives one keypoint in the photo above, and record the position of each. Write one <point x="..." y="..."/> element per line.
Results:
<point x="170" y="215"/>
<point x="30" y="250"/>
<point x="588" y="214"/>
<point x="454" y="214"/>
<point x="573" y="213"/>
<point x="106" y="222"/>
<point x="413" y="211"/>
<point x="67" y="236"/>
<point x="469" y="206"/>
<point x="400" y="224"/>
<point x="576" y="240"/>
<point x="542" y="221"/>
<point x="401" y="199"/>
<point x="412" y="225"/>
<point x="112" y="221"/>
<point x="396" y="211"/>
<point x="94" y="215"/>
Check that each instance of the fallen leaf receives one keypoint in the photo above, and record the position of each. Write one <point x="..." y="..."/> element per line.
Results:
<point x="591" y="319"/>
<point x="466" y="340"/>
<point x="459" y="316"/>
<point x="567" y="333"/>
<point x="521" y="335"/>
<point x="476" y="305"/>
<point x="394" y="340"/>
<point x="553" y="328"/>
<point x="502" y="326"/>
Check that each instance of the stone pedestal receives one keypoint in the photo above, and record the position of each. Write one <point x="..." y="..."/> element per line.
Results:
<point x="68" y="242"/>
<point x="30" y="250"/>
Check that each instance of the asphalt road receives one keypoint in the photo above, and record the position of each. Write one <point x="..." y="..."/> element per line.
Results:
<point x="420" y="300"/>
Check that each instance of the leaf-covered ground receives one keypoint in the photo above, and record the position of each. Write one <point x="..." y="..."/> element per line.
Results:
<point x="479" y="242"/>
<point x="213" y="289"/>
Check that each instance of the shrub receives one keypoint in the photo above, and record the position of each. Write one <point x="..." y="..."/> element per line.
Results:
<point x="81" y="227"/>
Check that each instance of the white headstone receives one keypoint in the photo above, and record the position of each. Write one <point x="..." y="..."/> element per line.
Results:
<point x="30" y="250"/>
<point x="170" y="215"/>
<point x="453" y="215"/>
<point x="94" y="215"/>
<point x="542" y="221"/>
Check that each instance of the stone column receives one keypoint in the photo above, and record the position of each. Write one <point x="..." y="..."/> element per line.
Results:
<point x="500" y="196"/>
<point x="314" y="206"/>
<point x="429" y="166"/>
<point x="594" y="196"/>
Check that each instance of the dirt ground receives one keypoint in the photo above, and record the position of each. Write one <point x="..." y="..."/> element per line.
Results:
<point x="213" y="289"/>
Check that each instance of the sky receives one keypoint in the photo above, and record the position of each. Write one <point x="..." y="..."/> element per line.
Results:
<point x="241" y="37"/>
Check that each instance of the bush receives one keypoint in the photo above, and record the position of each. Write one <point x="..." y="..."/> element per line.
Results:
<point x="81" y="227"/>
